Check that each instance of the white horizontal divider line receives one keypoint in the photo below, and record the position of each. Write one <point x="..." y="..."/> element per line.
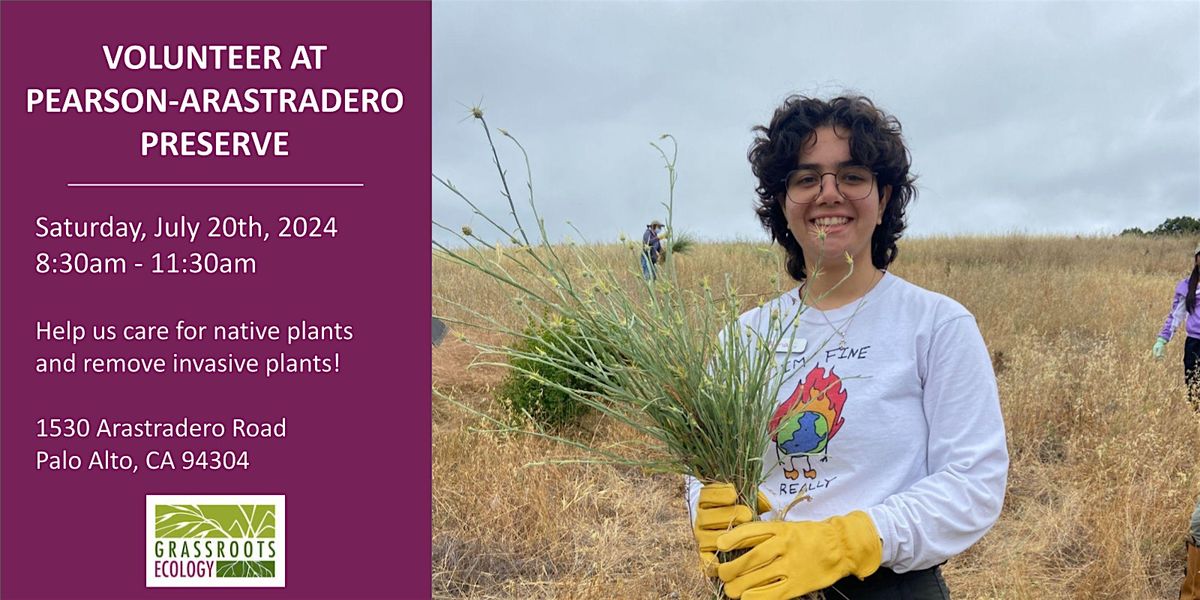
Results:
<point x="216" y="184"/>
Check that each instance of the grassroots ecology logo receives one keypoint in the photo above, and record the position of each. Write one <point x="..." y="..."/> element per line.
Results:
<point x="214" y="541"/>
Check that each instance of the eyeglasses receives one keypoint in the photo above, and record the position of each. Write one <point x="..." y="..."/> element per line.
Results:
<point x="803" y="186"/>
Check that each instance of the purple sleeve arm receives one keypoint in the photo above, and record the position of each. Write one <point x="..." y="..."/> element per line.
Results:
<point x="1174" y="318"/>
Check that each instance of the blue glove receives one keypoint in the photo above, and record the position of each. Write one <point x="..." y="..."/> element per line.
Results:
<point x="1158" y="347"/>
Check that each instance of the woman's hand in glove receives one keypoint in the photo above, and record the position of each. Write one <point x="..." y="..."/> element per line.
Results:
<point x="787" y="559"/>
<point x="716" y="513"/>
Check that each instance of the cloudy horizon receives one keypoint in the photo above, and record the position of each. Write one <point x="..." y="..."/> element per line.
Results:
<point x="1069" y="118"/>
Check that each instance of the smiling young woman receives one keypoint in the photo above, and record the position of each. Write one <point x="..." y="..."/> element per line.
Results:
<point x="888" y="425"/>
<point x="832" y="207"/>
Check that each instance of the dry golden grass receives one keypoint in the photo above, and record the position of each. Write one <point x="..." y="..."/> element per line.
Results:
<point x="1104" y="467"/>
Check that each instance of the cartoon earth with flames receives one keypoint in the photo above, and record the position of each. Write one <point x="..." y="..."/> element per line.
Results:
<point x="804" y="424"/>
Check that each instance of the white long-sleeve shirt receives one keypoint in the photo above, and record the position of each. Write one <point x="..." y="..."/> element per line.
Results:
<point x="903" y="423"/>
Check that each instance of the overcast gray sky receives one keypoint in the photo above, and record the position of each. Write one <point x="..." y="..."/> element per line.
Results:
<point x="1034" y="117"/>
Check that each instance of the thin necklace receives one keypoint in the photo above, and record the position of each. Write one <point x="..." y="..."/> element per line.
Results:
<point x="842" y="332"/>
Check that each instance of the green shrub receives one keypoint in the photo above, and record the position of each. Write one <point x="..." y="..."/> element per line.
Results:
<point x="526" y="397"/>
<point x="683" y="243"/>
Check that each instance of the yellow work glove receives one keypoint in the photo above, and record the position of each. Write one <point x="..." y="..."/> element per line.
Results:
<point x="790" y="559"/>
<point x="716" y="513"/>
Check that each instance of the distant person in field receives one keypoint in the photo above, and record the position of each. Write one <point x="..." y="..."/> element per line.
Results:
<point x="886" y="454"/>
<point x="652" y="250"/>
<point x="1183" y="312"/>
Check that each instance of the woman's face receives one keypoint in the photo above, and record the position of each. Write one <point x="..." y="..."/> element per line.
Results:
<point x="847" y="224"/>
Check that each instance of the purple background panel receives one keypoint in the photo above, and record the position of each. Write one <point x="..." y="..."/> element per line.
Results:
<point x="355" y="464"/>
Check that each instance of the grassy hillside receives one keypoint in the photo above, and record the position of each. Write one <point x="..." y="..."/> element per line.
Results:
<point x="1105" y="461"/>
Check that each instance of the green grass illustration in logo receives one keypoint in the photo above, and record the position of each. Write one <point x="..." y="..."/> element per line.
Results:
<point x="214" y="521"/>
<point x="220" y="521"/>
<point x="245" y="568"/>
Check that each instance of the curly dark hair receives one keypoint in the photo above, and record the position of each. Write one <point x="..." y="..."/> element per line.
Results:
<point x="875" y="141"/>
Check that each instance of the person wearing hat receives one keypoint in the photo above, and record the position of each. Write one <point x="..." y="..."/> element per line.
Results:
<point x="1183" y="312"/>
<point x="652" y="251"/>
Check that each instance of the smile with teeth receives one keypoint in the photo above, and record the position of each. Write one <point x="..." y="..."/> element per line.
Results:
<point x="830" y="221"/>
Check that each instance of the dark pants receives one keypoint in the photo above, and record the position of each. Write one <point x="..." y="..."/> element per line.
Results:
<point x="886" y="584"/>
<point x="1191" y="370"/>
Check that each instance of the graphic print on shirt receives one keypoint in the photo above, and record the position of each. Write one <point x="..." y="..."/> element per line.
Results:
<point x="807" y="421"/>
